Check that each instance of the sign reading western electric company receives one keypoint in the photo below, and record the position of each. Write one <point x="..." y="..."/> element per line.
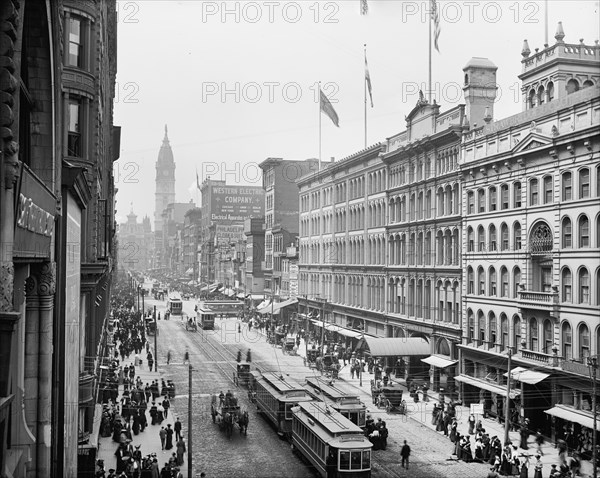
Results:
<point x="36" y="207"/>
<point x="234" y="204"/>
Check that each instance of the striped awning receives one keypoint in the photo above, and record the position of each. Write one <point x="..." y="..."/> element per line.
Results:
<point x="396" y="346"/>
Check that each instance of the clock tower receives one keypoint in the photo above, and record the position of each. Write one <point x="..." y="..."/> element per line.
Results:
<point x="165" y="182"/>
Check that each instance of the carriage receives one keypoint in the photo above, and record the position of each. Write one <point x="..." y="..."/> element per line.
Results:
<point x="311" y="357"/>
<point x="329" y="365"/>
<point x="151" y="328"/>
<point x="191" y="324"/>
<point x="289" y="345"/>
<point x="242" y="374"/>
<point x="228" y="413"/>
<point x="388" y="396"/>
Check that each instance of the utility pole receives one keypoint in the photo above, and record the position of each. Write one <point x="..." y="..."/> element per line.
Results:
<point x="189" y="447"/>
<point x="593" y="366"/>
<point x="507" y="404"/>
<point x="155" y="341"/>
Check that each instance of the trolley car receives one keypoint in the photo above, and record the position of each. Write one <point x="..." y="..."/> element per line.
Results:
<point x="224" y="308"/>
<point x="275" y="396"/>
<point x="341" y="399"/>
<point x="175" y="304"/>
<point x="318" y="432"/>
<point x="205" y="316"/>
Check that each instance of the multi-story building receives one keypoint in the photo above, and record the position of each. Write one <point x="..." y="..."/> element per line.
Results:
<point x="224" y="210"/>
<point x="531" y="245"/>
<point x="58" y="146"/>
<point x="254" y="257"/>
<point x="173" y="217"/>
<point x="164" y="195"/>
<point x="191" y="241"/>
<point x="136" y="243"/>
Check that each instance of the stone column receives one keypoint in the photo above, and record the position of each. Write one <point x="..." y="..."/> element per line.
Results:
<point x="30" y="392"/>
<point x="46" y="291"/>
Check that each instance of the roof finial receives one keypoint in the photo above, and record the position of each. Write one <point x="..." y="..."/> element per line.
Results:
<point x="560" y="33"/>
<point x="166" y="132"/>
<point x="525" y="52"/>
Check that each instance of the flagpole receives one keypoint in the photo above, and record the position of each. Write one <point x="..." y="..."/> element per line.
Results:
<point x="546" y="24"/>
<point x="365" y="82"/>
<point x="430" y="21"/>
<point x="319" y="126"/>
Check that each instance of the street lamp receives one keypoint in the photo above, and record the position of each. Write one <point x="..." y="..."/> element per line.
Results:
<point x="592" y="363"/>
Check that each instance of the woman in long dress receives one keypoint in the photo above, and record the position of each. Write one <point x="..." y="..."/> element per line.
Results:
<point x="537" y="466"/>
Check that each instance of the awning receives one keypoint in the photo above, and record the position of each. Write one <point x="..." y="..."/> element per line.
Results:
<point x="492" y="387"/>
<point x="221" y="289"/>
<point x="266" y="307"/>
<point x="388" y="346"/>
<point x="439" y="361"/>
<point x="285" y="303"/>
<point x="190" y="270"/>
<point x="572" y="416"/>
<point x="228" y="292"/>
<point x="263" y="304"/>
<point x="527" y="376"/>
<point x="255" y="296"/>
<point x="342" y="330"/>
<point x="317" y="322"/>
<point x="241" y="296"/>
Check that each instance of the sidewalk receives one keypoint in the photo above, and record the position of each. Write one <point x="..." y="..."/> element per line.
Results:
<point x="422" y="412"/>
<point x="148" y="440"/>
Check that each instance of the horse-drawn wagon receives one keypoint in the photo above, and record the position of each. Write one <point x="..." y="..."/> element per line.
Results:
<point x="388" y="396"/>
<point x="311" y="358"/>
<point x="191" y="324"/>
<point x="242" y="374"/>
<point x="227" y="413"/>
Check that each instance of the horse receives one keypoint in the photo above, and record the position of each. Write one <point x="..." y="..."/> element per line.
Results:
<point x="228" y="424"/>
<point x="243" y="421"/>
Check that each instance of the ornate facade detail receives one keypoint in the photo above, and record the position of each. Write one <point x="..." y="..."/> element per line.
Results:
<point x="7" y="277"/>
<point x="47" y="279"/>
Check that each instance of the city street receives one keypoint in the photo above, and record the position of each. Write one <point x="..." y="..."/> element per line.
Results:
<point x="213" y="354"/>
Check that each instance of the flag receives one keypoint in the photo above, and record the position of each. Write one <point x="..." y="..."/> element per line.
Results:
<point x="198" y="181"/>
<point x="364" y="8"/>
<point x="368" y="80"/>
<point x="327" y="108"/>
<point x="435" y="14"/>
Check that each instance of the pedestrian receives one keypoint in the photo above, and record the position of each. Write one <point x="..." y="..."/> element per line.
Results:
<point x="166" y="405"/>
<point x="539" y="440"/>
<point x="405" y="453"/>
<point x="168" y="357"/>
<point x="177" y="427"/>
<point x="163" y="437"/>
<point x="471" y="424"/>
<point x="180" y="451"/>
<point x="538" y="465"/>
<point x="169" y="442"/>
<point x="186" y="357"/>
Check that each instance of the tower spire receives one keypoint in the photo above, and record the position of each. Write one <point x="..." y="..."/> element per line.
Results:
<point x="166" y="134"/>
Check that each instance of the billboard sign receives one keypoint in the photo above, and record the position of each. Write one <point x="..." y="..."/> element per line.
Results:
<point x="234" y="204"/>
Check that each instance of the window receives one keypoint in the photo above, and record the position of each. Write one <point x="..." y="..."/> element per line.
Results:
<point x="471" y="325"/>
<point x="572" y="86"/>
<point x="533" y="192"/>
<point x="481" y="326"/>
<point x="516" y="331"/>
<point x="493" y="329"/>
<point x="584" y="342"/>
<point x="504" y="233"/>
<point x="493" y="238"/>
<point x="567" y="341"/>
<point x="548" y="190"/>
<point x="516" y="281"/>
<point x="470" y="281"/>
<point x="75" y="57"/>
<point x="503" y="331"/>
<point x="517" y="236"/>
<point x="480" y="281"/>
<point x="517" y="194"/>
<point x="584" y="183"/>
<point x="567" y="280"/>
<point x="567" y="186"/>
<point x="584" y="286"/>
<point x="504" y="196"/>
<point x="548" y="341"/>
<point x="504" y="281"/>
<point x="533" y="334"/>
<point x="493" y="199"/>
<point x="480" y="239"/>
<point x="481" y="200"/>
<point x="470" y="239"/>
<point x="567" y="233"/>
<point x="493" y="281"/>
<point x="74" y="140"/>
<point x="550" y="91"/>
<point x="584" y="231"/>
<point x="470" y="202"/>
<point x="541" y="95"/>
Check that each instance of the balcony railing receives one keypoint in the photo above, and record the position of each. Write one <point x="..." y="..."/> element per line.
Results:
<point x="538" y="300"/>
<point x="538" y="357"/>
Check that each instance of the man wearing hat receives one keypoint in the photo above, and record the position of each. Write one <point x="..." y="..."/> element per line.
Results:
<point x="112" y="473"/>
<point x="163" y="437"/>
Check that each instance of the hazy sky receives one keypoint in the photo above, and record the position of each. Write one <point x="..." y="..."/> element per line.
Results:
<point x="235" y="81"/>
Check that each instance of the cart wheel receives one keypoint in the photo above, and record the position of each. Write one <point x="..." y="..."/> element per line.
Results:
<point x="388" y="407"/>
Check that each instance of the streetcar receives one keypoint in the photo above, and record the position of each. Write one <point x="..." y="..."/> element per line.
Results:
<point x="275" y="396"/>
<point x="318" y="431"/>
<point x="224" y="308"/>
<point x="205" y="317"/>
<point x="341" y="399"/>
<point x="175" y="304"/>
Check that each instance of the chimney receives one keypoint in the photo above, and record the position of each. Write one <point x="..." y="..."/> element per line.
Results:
<point x="333" y="159"/>
<point x="479" y="90"/>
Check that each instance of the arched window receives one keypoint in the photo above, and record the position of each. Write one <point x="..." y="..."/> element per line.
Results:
<point x="550" y="91"/>
<point x="548" y="337"/>
<point x="470" y="239"/>
<point x="503" y="331"/>
<point x="493" y="198"/>
<point x="516" y="281"/>
<point x="504" y="233"/>
<point x="517" y="236"/>
<point x="548" y="190"/>
<point x="567" y="285"/>
<point x="470" y="281"/>
<point x="541" y="95"/>
<point x="541" y="239"/>
<point x="493" y="329"/>
<point x="567" y="186"/>
<point x="481" y="200"/>
<point x="517" y="194"/>
<point x="588" y="83"/>
<point x="480" y="281"/>
<point x="567" y="233"/>
<point x="572" y="86"/>
<point x="584" y="286"/>
<point x="504" y="281"/>
<point x="493" y="281"/>
<point x="504" y="196"/>
<point x="493" y="238"/>
<point x="471" y="325"/>
<point x="533" y="334"/>
<point x="470" y="202"/>
<point x="584" y="342"/>
<point x="480" y="239"/>
<point x="516" y="332"/>
<point x="584" y="231"/>
<point x="584" y="183"/>
<point x="531" y="98"/>
<point x="533" y="192"/>
<point x="566" y="338"/>
<point x="481" y="327"/>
